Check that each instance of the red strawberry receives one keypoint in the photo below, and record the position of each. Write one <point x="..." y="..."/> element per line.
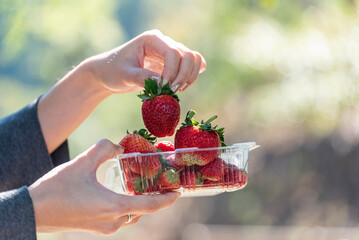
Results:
<point x="160" y="109"/>
<point x="190" y="178"/>
<point x="165" y="146"/>
<point x="148" y="166"/>
<point x="138" y="141"/>
<point x="214" y="170"/>
<point x="168" y="179"/>
<point x="171" y="162"/>
<point x="210" y="184"/>
<point x="233" y="176"/>
<point x="137" y="185"/>
<point x="200" y="135"/>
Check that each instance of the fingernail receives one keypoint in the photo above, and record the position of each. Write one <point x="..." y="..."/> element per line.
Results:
<point x="174" y="89"/>
<point x="155" y="78"/>
<point x="165" y="81"/>
<point x="183" y="87"/>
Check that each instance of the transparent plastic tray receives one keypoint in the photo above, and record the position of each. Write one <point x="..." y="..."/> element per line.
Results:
<point x="121" y="179"/>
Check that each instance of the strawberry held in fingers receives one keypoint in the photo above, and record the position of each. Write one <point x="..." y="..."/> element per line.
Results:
<point x="200" y="135"/>
<point x="139" y="142"/>
<point x="160" y="108"/>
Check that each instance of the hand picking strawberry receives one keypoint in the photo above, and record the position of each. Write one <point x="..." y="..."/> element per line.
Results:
<point x="160" y="108"/>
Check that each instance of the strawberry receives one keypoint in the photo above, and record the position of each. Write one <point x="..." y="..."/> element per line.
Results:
<point x="233" y="176"/>
<point x="213" y="171"/>
<point x="139" y="141"/>
<point x="210" y="184"/>
<point x="169" y="179"/>
<point x="165" y="146"/>
<point x="200" y="135"/>
<point x="137" y="185"/>
<point x="190" y="178"/>
<point x="160" y="108"/>
<point x="171" y="162"/>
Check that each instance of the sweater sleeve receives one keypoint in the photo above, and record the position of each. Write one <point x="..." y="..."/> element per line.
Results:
<point x="17" y="218"/>
<point x="23" y="152"/>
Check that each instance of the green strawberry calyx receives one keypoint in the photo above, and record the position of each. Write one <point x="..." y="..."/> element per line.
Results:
<point x="145" y="134"/>
<point x="154" y="89"/>
<point x="199" y="180"/>
<point x="172" y="175"/>
<point x="140" y="185"/>
<point x="204" y="125"/>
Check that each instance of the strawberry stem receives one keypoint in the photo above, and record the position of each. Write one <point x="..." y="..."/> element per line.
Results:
<point x="211" y="119"/>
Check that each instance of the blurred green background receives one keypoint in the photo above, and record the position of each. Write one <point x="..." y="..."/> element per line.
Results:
<point x="282" y="73"/>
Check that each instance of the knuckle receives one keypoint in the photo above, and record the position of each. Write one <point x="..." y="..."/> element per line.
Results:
<point x="174" y="52"/>
<point x="104" y="142"/>
<point x="198" y="56"/>
<point x="154" y="32"/>
<point x="190" y="56"/>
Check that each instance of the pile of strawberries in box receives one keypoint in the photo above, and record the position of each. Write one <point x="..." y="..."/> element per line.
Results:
<point x="192" y="163"/>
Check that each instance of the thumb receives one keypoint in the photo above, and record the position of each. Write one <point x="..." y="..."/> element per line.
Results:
<point x="142" y="74"/>
<point x="102" y="151"/>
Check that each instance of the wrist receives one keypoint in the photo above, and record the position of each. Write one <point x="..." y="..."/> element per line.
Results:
<point x="86" y="71"/>
<point x="38" y="205"/>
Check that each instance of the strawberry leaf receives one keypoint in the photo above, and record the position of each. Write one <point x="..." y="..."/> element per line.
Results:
<point x="171" y="175"/>
<point x="145" y="134"/>
<point x="204" y="125"/>
<point x="140" y="185"/>
<point x="154" y="89"/>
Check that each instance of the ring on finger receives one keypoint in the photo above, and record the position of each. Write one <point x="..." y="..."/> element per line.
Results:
<point x="129" y="218"/>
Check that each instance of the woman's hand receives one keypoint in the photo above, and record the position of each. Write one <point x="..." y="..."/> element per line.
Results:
<point x="120" y="70"/>
<point x="151" y="54"/>
<point x="70" y="198"/>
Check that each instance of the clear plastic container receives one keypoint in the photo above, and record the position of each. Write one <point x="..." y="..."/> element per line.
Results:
<point x="224" y="170"/>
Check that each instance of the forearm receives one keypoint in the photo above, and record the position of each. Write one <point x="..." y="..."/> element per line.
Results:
<point x="68" y="104"/>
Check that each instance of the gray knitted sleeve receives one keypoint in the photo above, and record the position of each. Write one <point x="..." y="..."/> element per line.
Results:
<point x="23" y="159"/>
<point x="17" y="220"/>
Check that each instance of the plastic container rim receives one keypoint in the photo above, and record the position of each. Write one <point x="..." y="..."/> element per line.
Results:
<point x="247" y="145"/>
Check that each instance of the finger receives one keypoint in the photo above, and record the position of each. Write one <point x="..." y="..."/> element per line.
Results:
<point x="158" y="44"/>
<point x="142" y="74"/>
<point x="145" y="204"/>
<point x="203" y="64"/>
<point x="100" y="152"/>
<point x="172" y="61"/>
<point x="194" y="74"/>
<point x="185" y="69"/>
